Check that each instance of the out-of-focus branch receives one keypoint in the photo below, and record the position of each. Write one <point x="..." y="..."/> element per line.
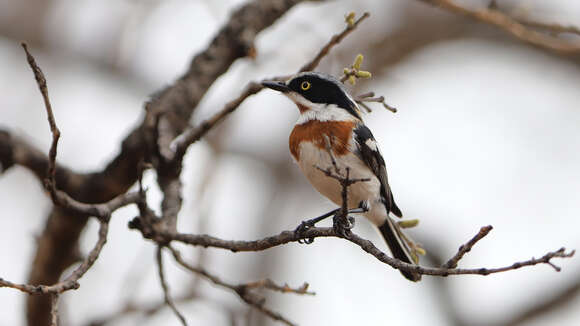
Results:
<point x="16" y="151"/>
<point x="553" y="303"/>
<point x="145" y="309"/>
<point x="54" y="309"/>
<point x="71" y="282"/>
<point x="165" y="287"/>
<point x="245" y="291"/>
<point x="175" y="105"/>
<point x="493" y="16"/>
<point x="61" y="199"/>
<point x="551" y="28"/>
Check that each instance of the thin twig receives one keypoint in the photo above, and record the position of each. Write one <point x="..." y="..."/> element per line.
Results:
<point x="60" y="198"/>
<point x="337" y="38"/>
<point x="71" y="282"/>
<point x="198" y="270"/>
<point x="102" y="211"/>
<point x="463" y="249"/>
<point x="328" y="145"/>
<point x="270" y="285"/>
<point x="194" y="134"/>
<point x="341" y="179"/>
<point x="244" y="290"/>
<point x="41" y="82"/>
<point x="361" y="99"/>
<point x="165" y="287"/>
<point x="145" y="309"/>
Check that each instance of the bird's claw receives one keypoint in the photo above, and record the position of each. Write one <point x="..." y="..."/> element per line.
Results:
<point x="301" y="229"/>
<point x="342" y="226"/>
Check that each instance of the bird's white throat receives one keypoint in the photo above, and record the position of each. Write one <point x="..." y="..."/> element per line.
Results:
<point x="319" y="111"/>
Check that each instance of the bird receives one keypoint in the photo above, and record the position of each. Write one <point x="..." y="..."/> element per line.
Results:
<point x="330" y="131"/>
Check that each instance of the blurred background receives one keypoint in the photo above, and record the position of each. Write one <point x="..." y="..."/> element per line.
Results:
<point x="488" y="132"/>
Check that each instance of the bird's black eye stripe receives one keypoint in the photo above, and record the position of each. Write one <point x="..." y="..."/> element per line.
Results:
<point x="324" y="90"/>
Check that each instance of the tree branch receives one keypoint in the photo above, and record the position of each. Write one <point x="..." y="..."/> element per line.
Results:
<point x="452" y="262"/>
<point x="244" y="291"/>
<point x="168" y="110"/>
<point x="286" y="237"/>
<point x="549" y="304"/>
<point x="59" y="198"/>
<point x="512" y="26"/>
<point x="337" y="38"/>
<point x="54" y="309"/>
<point x="550" y="27"/>
<point x="165" y="287"/>
<point x="176" y="104"/>
<point x="71" y="282"/>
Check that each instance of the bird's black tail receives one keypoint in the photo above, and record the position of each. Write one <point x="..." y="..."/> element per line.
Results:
<point x="398" y="247"/>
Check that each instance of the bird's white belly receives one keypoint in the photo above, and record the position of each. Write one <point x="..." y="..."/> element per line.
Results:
<point x="312" y="157"/>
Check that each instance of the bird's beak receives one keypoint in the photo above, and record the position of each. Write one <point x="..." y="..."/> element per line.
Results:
<point x="277" y="86"/>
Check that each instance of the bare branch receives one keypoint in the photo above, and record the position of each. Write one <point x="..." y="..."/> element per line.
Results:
<point x="170" y="109"/>
<point x="103" y="211"/>
<point x="132" y="307"/>
<point x="370" y="97"/>
<point x="256" y="302"/>
<point x="337" y="38"/>
<point x="270" y="285"/>
<point x="41" y="82"/>
<point x="54" y="309"/>
<point x="512" y="26"/>
<point x="316" y="232"/>
<point x="194" y="134"/>
<point x="165" y="287"/>
<point x="71" y="282"/>
<point x="550" y="304"/>
<point x="171" y="186"/>
<point x="550" y="27"/>
<point x="176" y="103"/>
<point x="60" y="198"/>
<point x="452" y="263"/>
<point x="244" y="290"/>
<point x="168" y="172"/>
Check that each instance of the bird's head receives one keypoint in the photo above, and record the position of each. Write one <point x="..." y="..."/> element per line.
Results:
<point x="316" y="92"/>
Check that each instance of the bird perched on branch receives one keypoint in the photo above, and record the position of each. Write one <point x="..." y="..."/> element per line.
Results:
<point x="330" y="132"/>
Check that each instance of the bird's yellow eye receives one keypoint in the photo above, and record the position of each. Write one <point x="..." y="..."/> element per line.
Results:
<point x="305" y="85"/>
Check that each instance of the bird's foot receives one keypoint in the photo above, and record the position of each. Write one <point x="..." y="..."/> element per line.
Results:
<point x="308" y="224"/>
<point x="342" y="225"/>
<point x="302" y="228"/>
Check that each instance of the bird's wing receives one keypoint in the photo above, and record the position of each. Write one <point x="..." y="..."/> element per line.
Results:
<point x="368" y="152"/>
